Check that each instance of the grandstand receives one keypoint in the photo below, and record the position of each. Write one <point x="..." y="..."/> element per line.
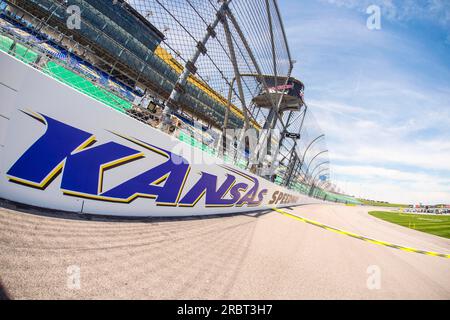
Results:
<point x="123" y="52"/>
<point x="128" y="51"/>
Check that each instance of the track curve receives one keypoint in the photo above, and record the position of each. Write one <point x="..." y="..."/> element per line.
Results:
<point x="254" y="256"/>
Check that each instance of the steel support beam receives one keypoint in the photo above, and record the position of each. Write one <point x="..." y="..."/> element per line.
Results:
<point x="318" y="166"/>
<point x="237" y="76"/>
<point x="190" y="66"/>
<point x="311" y="161"/>
<point x="309" y="146"/>
<point x="258" y="71"/>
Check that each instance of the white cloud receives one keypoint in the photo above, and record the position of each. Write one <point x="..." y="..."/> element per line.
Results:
<point x="373" y="172"/>
<point x="395" y="193"/>
<point x="403" y="10"/>
<point x="369" y="142"/>
<point x="363" y="151"/>
<point x="381" y="98"/>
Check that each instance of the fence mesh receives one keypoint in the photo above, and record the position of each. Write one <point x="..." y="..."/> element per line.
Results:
<point x="114" y="62"/>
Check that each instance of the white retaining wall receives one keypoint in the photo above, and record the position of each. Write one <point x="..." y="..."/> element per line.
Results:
<point x="41" y="118"/>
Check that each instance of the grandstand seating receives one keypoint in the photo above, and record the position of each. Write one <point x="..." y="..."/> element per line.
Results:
<point x="190" y="137"/>
<point x="80" y="75"/>
<point x="85" y="86"/>
<point x="64" y="75"/>
<point x="5" y="43"/>
<point x="26" y="33"/>
<point x="126" y="44"/>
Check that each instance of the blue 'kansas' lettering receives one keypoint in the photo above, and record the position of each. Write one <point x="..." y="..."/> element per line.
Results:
<point x="65" y="146"/>
<point x="207" y="185"/>
<point x="83" y="171"/>
<point x="44" y="159"/>
<point x="249" y="197"/>
<point x="147" y="184"/>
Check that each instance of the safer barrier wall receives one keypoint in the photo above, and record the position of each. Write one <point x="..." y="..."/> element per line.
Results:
<point x="61" y="149"/>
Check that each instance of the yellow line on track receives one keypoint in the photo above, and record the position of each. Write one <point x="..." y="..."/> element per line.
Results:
<point x="353" y="235"/>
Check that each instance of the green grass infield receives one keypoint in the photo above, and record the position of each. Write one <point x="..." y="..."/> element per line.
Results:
<point x="438" y="225"/>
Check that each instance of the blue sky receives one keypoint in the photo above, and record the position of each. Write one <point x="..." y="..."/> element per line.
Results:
<point x="382" y="97"/>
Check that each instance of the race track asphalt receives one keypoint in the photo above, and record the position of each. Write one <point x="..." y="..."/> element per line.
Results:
<point x="255" y="256"/>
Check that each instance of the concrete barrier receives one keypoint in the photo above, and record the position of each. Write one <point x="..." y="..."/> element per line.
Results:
<point x="61" y="149"/>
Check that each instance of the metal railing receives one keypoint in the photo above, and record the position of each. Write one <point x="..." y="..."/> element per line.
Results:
<point x="207" y="51"/>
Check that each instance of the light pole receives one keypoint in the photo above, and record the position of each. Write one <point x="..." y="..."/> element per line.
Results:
<point x="190" y="68"/>
<point x="318" y="166"/>
<point x="313" y="181"/>
<point x="309" y="146"/>
<point x="311" y="161"/>
<point x="324" y="184"/>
